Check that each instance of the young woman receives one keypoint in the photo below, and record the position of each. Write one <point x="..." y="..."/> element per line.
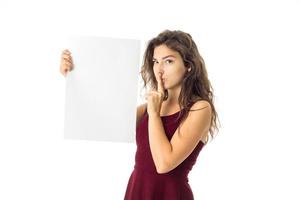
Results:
<point x="175" y="123"/>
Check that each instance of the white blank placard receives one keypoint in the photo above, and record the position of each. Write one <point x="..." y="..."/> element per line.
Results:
<point x="101" y="90"/>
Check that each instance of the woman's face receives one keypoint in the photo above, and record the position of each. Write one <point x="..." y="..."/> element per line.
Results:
<point x="170" y="64"/>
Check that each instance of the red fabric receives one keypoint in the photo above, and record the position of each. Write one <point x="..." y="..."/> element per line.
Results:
<point x="144" y="182"/>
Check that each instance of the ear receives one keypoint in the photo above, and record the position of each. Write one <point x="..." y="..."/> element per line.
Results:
<point x="187" y="71"/>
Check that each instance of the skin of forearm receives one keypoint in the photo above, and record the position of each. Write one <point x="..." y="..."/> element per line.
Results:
<point x="159" y="144"/>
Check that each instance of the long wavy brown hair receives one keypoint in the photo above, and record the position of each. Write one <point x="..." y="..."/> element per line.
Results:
<point x="195" y="85"/>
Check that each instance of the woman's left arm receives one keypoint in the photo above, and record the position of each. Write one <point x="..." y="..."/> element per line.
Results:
<point x="166" y="154"/>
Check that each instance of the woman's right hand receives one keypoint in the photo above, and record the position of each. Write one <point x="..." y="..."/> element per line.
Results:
<point x="66" y="63"/>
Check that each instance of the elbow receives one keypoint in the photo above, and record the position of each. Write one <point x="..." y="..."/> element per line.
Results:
<point x="162" y="169"/>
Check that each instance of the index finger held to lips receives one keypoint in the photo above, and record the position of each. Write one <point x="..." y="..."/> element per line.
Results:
<point x="160" y="84"/>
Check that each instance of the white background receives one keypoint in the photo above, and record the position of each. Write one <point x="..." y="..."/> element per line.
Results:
<point x="251" y="49"/>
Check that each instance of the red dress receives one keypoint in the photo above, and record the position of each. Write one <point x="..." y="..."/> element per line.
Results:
<point x="144" y="182"/>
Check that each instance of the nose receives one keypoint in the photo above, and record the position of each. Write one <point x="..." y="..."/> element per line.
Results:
<point x="161" y="68"/>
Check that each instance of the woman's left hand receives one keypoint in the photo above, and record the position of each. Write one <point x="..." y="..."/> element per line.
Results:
<point x="155" y="98"/>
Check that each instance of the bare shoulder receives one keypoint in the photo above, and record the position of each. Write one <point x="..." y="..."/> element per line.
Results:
<point x="199" y="118"/>
<point x="201" y="104"/>
<point x="140" y="111"/>
<point x="141" y="108"/>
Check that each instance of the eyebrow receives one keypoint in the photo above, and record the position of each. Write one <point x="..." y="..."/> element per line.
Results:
<point x="166" y="57"/>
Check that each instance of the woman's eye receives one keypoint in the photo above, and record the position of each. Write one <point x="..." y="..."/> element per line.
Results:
<point x="167" y="61"/>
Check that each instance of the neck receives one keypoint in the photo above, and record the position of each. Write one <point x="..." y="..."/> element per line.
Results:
<point x="173" y="95"/>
